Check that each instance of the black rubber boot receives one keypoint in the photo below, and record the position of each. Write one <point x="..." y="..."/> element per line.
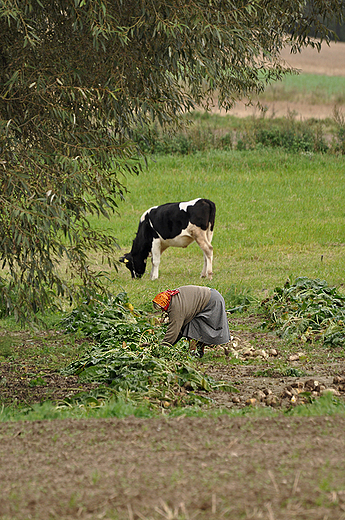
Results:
<point x="200" y="347"/>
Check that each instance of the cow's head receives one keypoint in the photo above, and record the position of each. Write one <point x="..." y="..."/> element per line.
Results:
<point x="135" y="265"/>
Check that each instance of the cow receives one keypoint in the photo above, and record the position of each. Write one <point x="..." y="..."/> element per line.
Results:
<point x="175" y="224"/>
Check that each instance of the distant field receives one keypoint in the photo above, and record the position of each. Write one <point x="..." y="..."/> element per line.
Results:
<point x="309" y="88"/>
<point x="311" y="94"/>
<point x="329" y="61"/>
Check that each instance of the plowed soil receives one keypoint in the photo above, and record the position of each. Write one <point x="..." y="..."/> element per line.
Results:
<point x="242" y="467"/>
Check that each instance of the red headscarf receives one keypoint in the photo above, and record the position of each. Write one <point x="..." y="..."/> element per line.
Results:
<point x="163" y="299"/>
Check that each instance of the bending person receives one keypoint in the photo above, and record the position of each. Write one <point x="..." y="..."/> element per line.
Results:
<point x="196" y="313"/>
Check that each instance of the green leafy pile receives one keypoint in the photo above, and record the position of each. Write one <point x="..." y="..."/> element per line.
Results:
<point x="126" y="355"/>
<point x="308" y="309"/>
<point x="111" y="321"/>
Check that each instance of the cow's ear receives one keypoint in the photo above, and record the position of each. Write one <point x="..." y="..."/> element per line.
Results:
<point x="124" y="260"/>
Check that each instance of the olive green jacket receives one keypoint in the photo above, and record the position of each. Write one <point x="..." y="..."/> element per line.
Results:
<point x="183" y="307"/>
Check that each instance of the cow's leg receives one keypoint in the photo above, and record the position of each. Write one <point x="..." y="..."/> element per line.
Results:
<point x="202" y="238"/>
<point x="207" y="268"/>
<point x="208" y="255"/>
<point x="157" y="249"/>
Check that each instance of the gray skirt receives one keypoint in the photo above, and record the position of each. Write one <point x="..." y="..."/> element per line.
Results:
<point x="211" y="325"/>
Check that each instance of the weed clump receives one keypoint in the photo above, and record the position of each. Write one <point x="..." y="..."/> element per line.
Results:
<point x="308" y="310"/>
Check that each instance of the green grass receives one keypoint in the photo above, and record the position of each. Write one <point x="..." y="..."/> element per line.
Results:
<point x="309" y="88"/>
<point x="102" y="409"/>
<point x="50" y="411"/>
<point x="278" y="215"/>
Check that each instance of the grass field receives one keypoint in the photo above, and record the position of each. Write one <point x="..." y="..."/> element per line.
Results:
<point x="279" y="215"/>
<point x="310" y="88"/>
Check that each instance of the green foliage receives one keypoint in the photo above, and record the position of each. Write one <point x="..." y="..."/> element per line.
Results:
<point x="208" y="133"/>
<point x="128" y="357"/>
<point x="293" y="372"/>
<point x="293" y="139"/>
<point x="76" y="79"/>
<point x="6" y="343"/>
<point x="108" y="320"/>
<point x="308" y="309"/>
<point x="238" y="299"/>
<point x="274" y="372"/>
<point x="339" y="138"/>
<point x="195" y="137"/>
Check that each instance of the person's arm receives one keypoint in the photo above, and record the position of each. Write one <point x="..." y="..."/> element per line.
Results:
<point x="176" y="320"/>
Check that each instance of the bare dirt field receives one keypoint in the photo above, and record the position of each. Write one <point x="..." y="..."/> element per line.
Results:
<point x="243" y="467"/>
<point x="187" y="468"/>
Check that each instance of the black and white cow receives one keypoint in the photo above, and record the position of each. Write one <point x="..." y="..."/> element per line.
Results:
<point x="175" y="224"/>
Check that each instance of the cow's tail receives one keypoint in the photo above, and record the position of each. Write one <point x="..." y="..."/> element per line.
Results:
<point x="212" y="218"/>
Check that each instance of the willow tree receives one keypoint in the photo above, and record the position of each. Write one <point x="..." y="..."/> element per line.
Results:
<point x="76" y="77"/>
